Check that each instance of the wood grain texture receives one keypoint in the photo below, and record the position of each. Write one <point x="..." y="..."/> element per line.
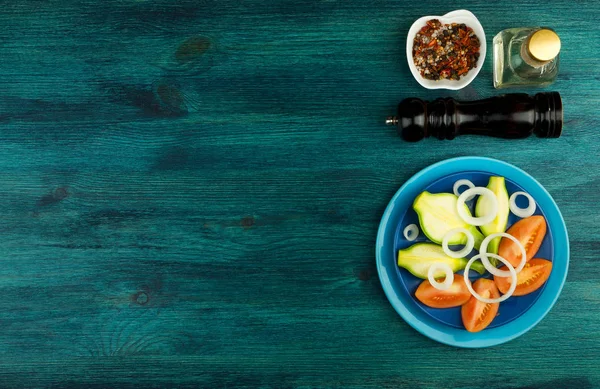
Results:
<point x="191" y="192"/>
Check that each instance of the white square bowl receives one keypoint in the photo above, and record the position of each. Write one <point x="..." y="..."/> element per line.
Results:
<point x="459" y="16"/>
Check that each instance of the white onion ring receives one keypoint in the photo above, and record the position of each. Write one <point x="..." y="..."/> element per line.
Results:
<point x="460" y="183"/>
<point x="411" y="232"/>
<point x="449" y="276"/>
<point x="522" y="212"/>
<point x="465" y="250"/>
<point x="477" y="221"/>
<point x="486" y="263"/>
<point x="513" y="276"/>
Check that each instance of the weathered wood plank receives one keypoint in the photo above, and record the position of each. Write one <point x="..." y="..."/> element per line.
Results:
<point x="192" y="191"/>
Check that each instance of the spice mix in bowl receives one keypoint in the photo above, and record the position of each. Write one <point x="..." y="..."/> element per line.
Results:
<point x="446" y="52"/>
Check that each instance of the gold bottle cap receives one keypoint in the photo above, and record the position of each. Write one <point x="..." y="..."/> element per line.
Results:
<point x="544" y="45"/>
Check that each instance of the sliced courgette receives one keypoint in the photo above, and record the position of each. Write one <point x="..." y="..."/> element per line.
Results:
<point x="419" y="257"/>
<point x="483" y="207"/>
<point x="438" y="215"/>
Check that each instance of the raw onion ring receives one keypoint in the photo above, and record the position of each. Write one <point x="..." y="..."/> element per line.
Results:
<point x="522" y="212"/>
<point x="513" y="276"/>
<point x="465" y="250"/>
<point x="411" y="232"/>
<point x="486" y="263"/>
<point x="477" y="221"/>
<point x="460" y="183"/>
<point x="447" y="283"/>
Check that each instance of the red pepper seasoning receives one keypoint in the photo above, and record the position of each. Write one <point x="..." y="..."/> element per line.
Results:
<point x="445" y="51"/>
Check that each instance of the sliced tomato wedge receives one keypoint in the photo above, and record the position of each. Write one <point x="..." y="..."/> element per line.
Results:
<point x="530" y="279"/>
<point x="530" y="232"/>
<point x="455" y="296"/>
<point x="477" y="315"/>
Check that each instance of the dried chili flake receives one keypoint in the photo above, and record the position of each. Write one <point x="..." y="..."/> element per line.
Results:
<point x="445" y="51"/>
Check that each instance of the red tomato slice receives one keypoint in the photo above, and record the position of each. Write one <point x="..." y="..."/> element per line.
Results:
<point x="477" y="315"/>
<point x="530" y="232"/>
<point x="530" y="279"/>
<point x="455" y="296"/>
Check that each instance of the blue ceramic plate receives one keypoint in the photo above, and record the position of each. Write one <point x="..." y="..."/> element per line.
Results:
<point x="517" y="314"/>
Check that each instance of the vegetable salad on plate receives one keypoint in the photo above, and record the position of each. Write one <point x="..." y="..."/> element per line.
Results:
<point x="453" y="232"/>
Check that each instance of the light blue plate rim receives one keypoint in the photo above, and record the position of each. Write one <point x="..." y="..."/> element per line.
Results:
<point x="404" y="304"/>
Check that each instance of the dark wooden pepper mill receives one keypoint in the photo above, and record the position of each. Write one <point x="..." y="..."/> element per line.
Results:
<point x="515" y="115"/>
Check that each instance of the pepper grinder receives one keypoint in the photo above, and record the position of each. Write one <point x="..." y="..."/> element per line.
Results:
<point x="515" y="115"/>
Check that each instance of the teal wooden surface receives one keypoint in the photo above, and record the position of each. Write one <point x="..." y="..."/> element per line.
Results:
<point x="191" y="192"/>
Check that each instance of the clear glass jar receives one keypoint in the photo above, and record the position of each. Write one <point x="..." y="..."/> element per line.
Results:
<point x="526" y="56"/>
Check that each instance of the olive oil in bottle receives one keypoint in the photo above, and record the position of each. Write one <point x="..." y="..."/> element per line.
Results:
<point x="526" y="56"/>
